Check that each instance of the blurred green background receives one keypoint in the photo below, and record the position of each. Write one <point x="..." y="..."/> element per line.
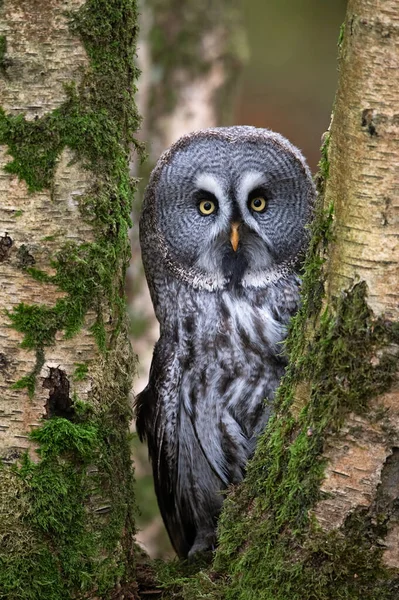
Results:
<point x="287" y="84"/>
<point x="289" y="81"/>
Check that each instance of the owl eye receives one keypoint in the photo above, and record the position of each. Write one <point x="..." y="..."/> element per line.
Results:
<point x="258" y="204"/>
<point x="207" y="207"/>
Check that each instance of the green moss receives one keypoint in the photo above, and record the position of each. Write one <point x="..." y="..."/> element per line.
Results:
<point x="51" y="238"/>
<point x="57" y="436"/>
<point x="28" y="382"/>
<point x="3" y="47"/>
<point x="324" y="163"/>
<point x="59" y="505"/>
<point x="76" y="522"/>
<point x="18" y="213"/>
<point x="81" y="371"/>
<point x="77" y="514"/>
<point x="343" y="564"/>
<point x="24" y="257"/>
<point x="24" y="579"/>
<point x="188" y="580"/>
<point x="99" y="334"/>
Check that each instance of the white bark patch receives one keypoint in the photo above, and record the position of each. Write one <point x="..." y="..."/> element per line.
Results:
<point x="70" y="184"/>
<point x="42" y="55"/>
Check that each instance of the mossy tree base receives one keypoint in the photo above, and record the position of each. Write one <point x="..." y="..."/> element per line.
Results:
<point x="66" y="126"/>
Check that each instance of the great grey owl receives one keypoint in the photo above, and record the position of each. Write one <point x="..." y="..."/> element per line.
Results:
<point x="223" y="231"/>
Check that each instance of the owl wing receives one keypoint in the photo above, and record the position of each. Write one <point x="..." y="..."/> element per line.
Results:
<point x="157" y="416"/>
<point x="284" y="299"/>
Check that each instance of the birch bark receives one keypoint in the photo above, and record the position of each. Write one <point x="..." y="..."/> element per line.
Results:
<point x="363" y="187"/>
<point x="67" y="120"/>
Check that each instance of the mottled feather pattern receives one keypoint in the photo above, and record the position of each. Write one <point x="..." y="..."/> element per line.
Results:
<point x="223" y="314"/>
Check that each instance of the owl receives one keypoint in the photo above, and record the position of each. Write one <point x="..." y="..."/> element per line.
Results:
<point x="223" y="233"/>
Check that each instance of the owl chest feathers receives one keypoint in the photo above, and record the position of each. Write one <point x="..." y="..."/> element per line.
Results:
<point x="230" y="350"/>
<point x="230" y="324"/>
<point x="226" y="328"/>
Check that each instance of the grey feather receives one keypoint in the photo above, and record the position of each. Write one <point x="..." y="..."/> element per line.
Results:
<point x="223" y="315"/>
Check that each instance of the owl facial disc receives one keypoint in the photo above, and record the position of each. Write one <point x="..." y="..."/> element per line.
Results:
<point x="228" y="205"/>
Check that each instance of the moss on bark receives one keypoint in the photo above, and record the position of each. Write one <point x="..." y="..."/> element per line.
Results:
<point x="98" y="122"/>
<point x="68" y="519"/>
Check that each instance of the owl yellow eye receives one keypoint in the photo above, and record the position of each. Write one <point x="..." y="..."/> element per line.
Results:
<point x="207" y="207"/>
<point x="257" y="204"/>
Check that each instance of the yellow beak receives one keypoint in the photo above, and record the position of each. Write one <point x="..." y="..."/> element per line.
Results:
<point x="234" y="236"/>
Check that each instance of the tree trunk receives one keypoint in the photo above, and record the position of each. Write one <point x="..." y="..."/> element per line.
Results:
<point x="317" y="516"/>
<point x="194" y="52"/>
<point x="67" y="120"/>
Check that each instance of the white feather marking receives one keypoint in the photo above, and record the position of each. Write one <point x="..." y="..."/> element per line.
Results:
<point x="261" y="279"/>
<point x="243" y="314"/>
<point x="210" y="284"/>
<point x="209" y="182"/>
<point x="250" y="180"/>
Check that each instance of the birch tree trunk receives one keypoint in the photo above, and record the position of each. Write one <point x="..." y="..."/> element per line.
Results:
<point x="66" y="122"/>
<point x="317" y="517"/>
<point x="192" y="54"/>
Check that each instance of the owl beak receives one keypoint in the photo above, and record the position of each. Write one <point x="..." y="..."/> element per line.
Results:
<point x="234" y="236"/>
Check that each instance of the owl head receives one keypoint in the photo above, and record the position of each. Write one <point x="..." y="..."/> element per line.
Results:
<point x="227" y="207"/>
